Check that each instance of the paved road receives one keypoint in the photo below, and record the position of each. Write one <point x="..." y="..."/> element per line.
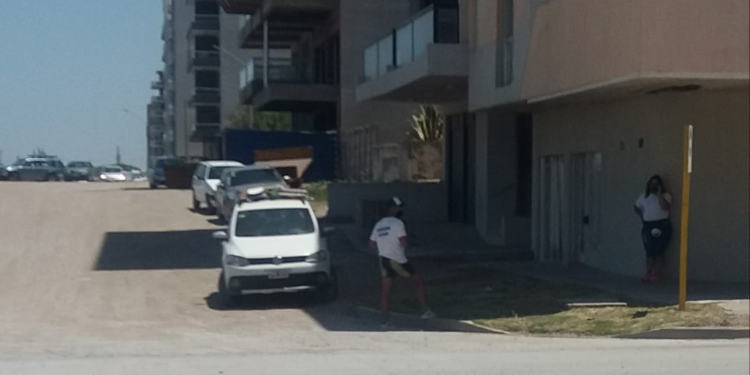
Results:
<point x="117" y="279"/>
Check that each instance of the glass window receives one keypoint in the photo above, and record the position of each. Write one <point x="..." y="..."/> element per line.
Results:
<point x="215" y="172"/>
<point x="371" y="61"/>
<point x="274" y="222"/>
<point x="257" y="176"/>
<point x="404" y="44"/>
<point x="385" y="54"/>
<point x="423" y="32"/>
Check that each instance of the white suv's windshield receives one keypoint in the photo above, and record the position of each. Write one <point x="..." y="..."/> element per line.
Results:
<point x="274" y="222"/>
<point x="256" y="176"/>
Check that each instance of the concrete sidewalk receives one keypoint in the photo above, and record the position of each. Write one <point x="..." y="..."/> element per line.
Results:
<point x="731" y="296"/>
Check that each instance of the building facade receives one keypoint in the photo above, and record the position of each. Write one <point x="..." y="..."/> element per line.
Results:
<point x="307" y="61"/>
<point x="560" y="110"/>
<point x="202" y="65"/>
<point x="158" y="135"/>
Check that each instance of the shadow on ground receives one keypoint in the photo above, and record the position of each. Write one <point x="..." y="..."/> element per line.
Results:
<point x="191" y="249"/>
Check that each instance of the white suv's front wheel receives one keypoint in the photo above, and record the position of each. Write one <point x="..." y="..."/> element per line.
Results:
<point x="228" y="300"/>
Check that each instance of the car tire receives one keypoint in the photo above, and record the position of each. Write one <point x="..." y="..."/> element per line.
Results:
<point x="210" y="204"/>
<point x="227" y="299"/>
<point x="329" y="292"/>
<point x="196" y="204"/>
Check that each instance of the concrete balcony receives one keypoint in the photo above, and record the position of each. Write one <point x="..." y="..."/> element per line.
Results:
<point x="205" y="95"/>
<point x="287" y="21"/>
<point x="201" y="131"/>
<point x="241" y="6"/>
<point x="204" y="59"/>
<point x="420" y="61"/>
<point x="288" y="89"/>
<point x="640" y="47"/>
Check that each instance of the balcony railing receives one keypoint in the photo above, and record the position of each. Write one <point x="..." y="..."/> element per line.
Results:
<point x="206" y="95"/>
<point x="280" y="70"/>
<point x="406" y="43"/>
<point x="204" y="59"/>
<point x="203" y="22"/>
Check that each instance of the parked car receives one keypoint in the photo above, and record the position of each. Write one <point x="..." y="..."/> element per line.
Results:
<point x="274" y="244"/>
<point x="111" y="173"/>
<point x="133" y="173"/>
<point x="235" y="181"/>
<point x="37" y="169"/>
<point x="206" y="179"/>
<point x="78" y="170"/>
<point x="3" y="172"/>
<point x="156" y="176"/>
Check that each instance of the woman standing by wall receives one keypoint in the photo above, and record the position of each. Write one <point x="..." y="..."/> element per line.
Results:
<point x="653" y="208"/>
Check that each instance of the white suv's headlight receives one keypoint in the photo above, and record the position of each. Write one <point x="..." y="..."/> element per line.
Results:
<point x="320" y="256"/>
<point x="233" y="260"/>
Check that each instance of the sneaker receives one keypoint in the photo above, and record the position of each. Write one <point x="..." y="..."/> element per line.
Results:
<point x="428" y="314"/>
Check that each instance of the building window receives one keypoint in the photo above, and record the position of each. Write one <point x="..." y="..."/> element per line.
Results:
<point x="206" y="8"/>
<point x="207" y="79"/>
<point x="207" y="114"/>
<point x="504" y="48"/>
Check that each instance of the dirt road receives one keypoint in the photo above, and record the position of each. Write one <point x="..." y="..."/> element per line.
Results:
<point x="117" y="278"/>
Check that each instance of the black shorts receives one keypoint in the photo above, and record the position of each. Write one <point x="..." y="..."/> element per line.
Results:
<point x="390" y="268"/>
<point x="655" y="245"/>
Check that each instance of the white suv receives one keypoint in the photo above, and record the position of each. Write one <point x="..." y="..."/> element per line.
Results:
<point x="274" y="245"/>
<point x="206" y="179"/>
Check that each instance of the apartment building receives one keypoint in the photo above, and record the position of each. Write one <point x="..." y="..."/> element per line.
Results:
<point x="202" y="65"/>
<point x="158" y="135"/>
<point x="560" y="110"/>
<point x="309" y="63"/>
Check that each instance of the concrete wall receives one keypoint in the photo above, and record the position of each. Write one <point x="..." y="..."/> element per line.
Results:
<point x="562" y="45"/>
<point x="719" y="223"/>
<point x="496" y="181"/>
<point x="184" y="13"/>
<point x="425" y="201"/>
<point x="230" y="68"/>
<point x="361" y="23"/>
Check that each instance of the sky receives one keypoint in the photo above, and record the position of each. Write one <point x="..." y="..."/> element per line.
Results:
<point x="75" y="77"/>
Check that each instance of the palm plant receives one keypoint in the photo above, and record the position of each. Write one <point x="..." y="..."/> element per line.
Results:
<point x="428" y="125"/>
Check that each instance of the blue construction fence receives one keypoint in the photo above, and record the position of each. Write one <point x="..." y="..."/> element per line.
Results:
<point x="241" y="144"/>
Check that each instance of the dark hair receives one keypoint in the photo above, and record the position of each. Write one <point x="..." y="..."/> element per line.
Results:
<point x="658" y="180"/>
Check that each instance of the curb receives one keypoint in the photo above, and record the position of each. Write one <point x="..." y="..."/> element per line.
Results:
<point x="415" y="322"/>
<point x="707" y="333"/>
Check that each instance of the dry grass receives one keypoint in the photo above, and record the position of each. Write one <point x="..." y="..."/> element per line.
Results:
<point x="522" y="304"/>
<point x="607" y="321"/>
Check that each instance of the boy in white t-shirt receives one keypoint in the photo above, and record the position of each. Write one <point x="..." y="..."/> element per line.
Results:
<point x="390" y="240"/>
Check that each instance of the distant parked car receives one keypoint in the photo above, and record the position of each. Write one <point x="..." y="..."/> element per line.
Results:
<point x="156" y="176"/>
<point x="3" y="173"/>
<point x="37" y="169"/>
<point x="111" y="173"/>
<point x="206" y="178"/>
<point x="78" y="170"/>
<point x="133" y="173"/>
<point x="235" y="181"/>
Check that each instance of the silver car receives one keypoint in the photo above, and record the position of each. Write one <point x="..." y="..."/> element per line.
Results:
<point x="36" y="169"/>
<point x="236" y="181"/>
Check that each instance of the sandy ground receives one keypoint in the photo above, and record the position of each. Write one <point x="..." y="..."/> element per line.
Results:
<point x="114" y="278"/>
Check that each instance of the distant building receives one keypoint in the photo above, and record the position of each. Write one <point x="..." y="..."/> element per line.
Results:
<point x="201" y="75"/>
<point x="159" y="136"/>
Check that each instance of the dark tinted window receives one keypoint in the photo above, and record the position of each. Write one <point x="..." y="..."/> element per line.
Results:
<point x="275" y="222"/>
<point x="164" y="162"/>
<point x="79" y="164"/>
<point x="215" y="172"/>
<point x="258" y="176"/>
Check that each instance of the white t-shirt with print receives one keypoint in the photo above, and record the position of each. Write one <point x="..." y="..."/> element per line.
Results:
<point x="386" y="234"/>
<point x="651" y="208"/>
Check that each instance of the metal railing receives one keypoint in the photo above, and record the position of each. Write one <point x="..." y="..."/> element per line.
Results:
<point x="280" y="70"/>
<point x="404" y="44"/>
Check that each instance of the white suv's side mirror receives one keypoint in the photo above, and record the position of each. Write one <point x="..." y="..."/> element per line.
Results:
<point x="220" y="235"/>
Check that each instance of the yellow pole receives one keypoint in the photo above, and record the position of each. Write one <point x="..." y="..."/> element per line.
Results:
<point x="687" y="169"/>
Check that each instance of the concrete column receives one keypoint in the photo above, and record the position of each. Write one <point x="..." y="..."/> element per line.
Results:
<point x="481" y="198"/>
<point x="265" y="53"/>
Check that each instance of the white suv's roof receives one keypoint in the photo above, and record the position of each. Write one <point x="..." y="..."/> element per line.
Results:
<point x="222" y="163"/>
<point x="273" y="203"/>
